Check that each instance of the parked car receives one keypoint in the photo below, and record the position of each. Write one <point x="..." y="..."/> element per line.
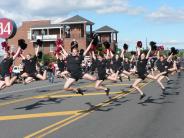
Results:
<point x="17" y="69"/>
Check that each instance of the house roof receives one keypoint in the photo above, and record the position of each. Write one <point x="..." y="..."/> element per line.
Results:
<point x="106" y="29"/>
<point x="47" y="26"/>
<point x="77" y="19"/>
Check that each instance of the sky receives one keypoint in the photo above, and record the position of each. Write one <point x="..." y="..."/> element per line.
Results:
<point x="155" y="20"/>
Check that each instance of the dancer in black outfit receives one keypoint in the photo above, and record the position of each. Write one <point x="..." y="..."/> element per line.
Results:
<point x="62" y="66"/>
<point x="74" y="61"/>
<point x="101" y="65"/>
<point x="142" y="70"/>
<point x="163" y="67"/>
<point x="30" y="72"/>
<point x="116" y="65"/>
<point x="125" y="67"/>
<point x="6" y="63"/>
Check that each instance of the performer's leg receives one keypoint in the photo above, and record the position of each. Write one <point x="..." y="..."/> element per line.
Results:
<point x="67" y="86"/>
<point x="28" y="80"/>
<point x="89" y="77"/>
<point x="7" y="81"/>
<point x="2" y="85"/>
<point x="99" y="86"/>
<point x="135" y="85"/>
<point x="160" y="83"/>
<point x="42" y="77"/>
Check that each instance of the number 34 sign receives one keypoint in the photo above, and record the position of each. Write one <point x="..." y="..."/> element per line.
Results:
<point x="8" y="28"/>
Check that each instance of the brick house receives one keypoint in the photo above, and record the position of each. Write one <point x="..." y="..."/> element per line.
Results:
<point x="76" y="27"/>
<point x="73" y="28"/>
<point x="109" y="34"/>
<point x="23" y="32"/>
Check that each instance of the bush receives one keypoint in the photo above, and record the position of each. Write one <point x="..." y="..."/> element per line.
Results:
<point x="47" y="58"/>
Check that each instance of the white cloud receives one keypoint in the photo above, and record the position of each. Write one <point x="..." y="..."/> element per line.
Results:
<point x="48" y="9"/>
<point x="165" y="13"/>
<point x="173" y="43"/>
<point x="118" y="9"/>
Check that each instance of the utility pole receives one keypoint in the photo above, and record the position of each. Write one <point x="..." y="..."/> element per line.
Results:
<point x="146" y="43"/>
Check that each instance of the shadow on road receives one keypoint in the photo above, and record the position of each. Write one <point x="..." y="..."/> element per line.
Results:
<point x="113" y="103"/>
<point x="151" y="100"/>
<point x="10" y="97"/>
<point x="41" y="103"/>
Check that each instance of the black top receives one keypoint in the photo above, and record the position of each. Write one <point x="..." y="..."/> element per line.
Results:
<point x="162" y="65"/>
<point x="5" y="65"/>
<point x="117" y="63"/>
<point x="74" y="63"/>
<point x="101" y="66"/>
<point x="126" y="65"/>
<point x="30" y="65"/>
<point x="141" y="65"/>
<point x="108" y="63"/>
<point x="152" y="62"/>
<point x="93" y="65"/>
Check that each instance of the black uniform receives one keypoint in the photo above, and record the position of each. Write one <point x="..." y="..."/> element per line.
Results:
<point x="93" y="66"/>
<point x="74" y="66"/>
<point x="141" y="68"/>
<point x="132" y="64"/>
<point x="108" y="61"/>
<point x="152" y="62"/>
<point x="101" y="68"/>
<point x="162" y="66"/>
<point x="126" y="66"/>
<point x="117" y="64"/>
<point x="5" y="67"/>
<point x="30" y="66"/>
<point x="178" y="64"/>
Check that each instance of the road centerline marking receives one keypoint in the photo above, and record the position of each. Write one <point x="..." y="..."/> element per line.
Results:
<point x="82" y="114"/>
<point x="38" y="115"/>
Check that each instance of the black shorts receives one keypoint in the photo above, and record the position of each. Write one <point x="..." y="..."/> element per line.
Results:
<point x="4" y="75"/>
<point x="33" y="74"/>
<point x="178" y="66"/>
<point x="76" y="75"/>
<point x="61" y="69"/>
<point x="127" y="69"/>
<point x="142" y="75"/>
<point x="102" y="76"/>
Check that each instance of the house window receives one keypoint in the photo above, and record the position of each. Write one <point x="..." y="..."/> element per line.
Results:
<point x="34" y="35"/>
<point x="51" y="47"/>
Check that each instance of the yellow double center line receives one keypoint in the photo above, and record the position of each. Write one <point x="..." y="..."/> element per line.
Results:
<point x="54" y="127"/>
<point x="50" y="94"/>
<point x="39" y="115"/>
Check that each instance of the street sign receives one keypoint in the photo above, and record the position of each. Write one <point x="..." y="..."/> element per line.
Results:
<point x="8" y="28"/>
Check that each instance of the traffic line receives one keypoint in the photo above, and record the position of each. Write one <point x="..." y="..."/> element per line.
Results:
<point x="108" y="85"/>
<point x="39" y="115"/>
<point x="51" y="126"/>
<point x="50" y="94"/>
<point x="27" y="99"/>
<point x="34" y="88"/>
<point x="74" y="95"/>
<point x="44" y="132"/>
<point x="30" y="98"/>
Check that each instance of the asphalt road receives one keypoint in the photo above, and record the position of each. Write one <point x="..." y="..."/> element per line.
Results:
<point x="45" y="110"/>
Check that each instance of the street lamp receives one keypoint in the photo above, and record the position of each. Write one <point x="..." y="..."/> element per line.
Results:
<point x="43" y="33"/>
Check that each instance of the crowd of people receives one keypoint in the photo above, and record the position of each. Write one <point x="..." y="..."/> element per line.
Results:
<point x="104" y="65"/>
